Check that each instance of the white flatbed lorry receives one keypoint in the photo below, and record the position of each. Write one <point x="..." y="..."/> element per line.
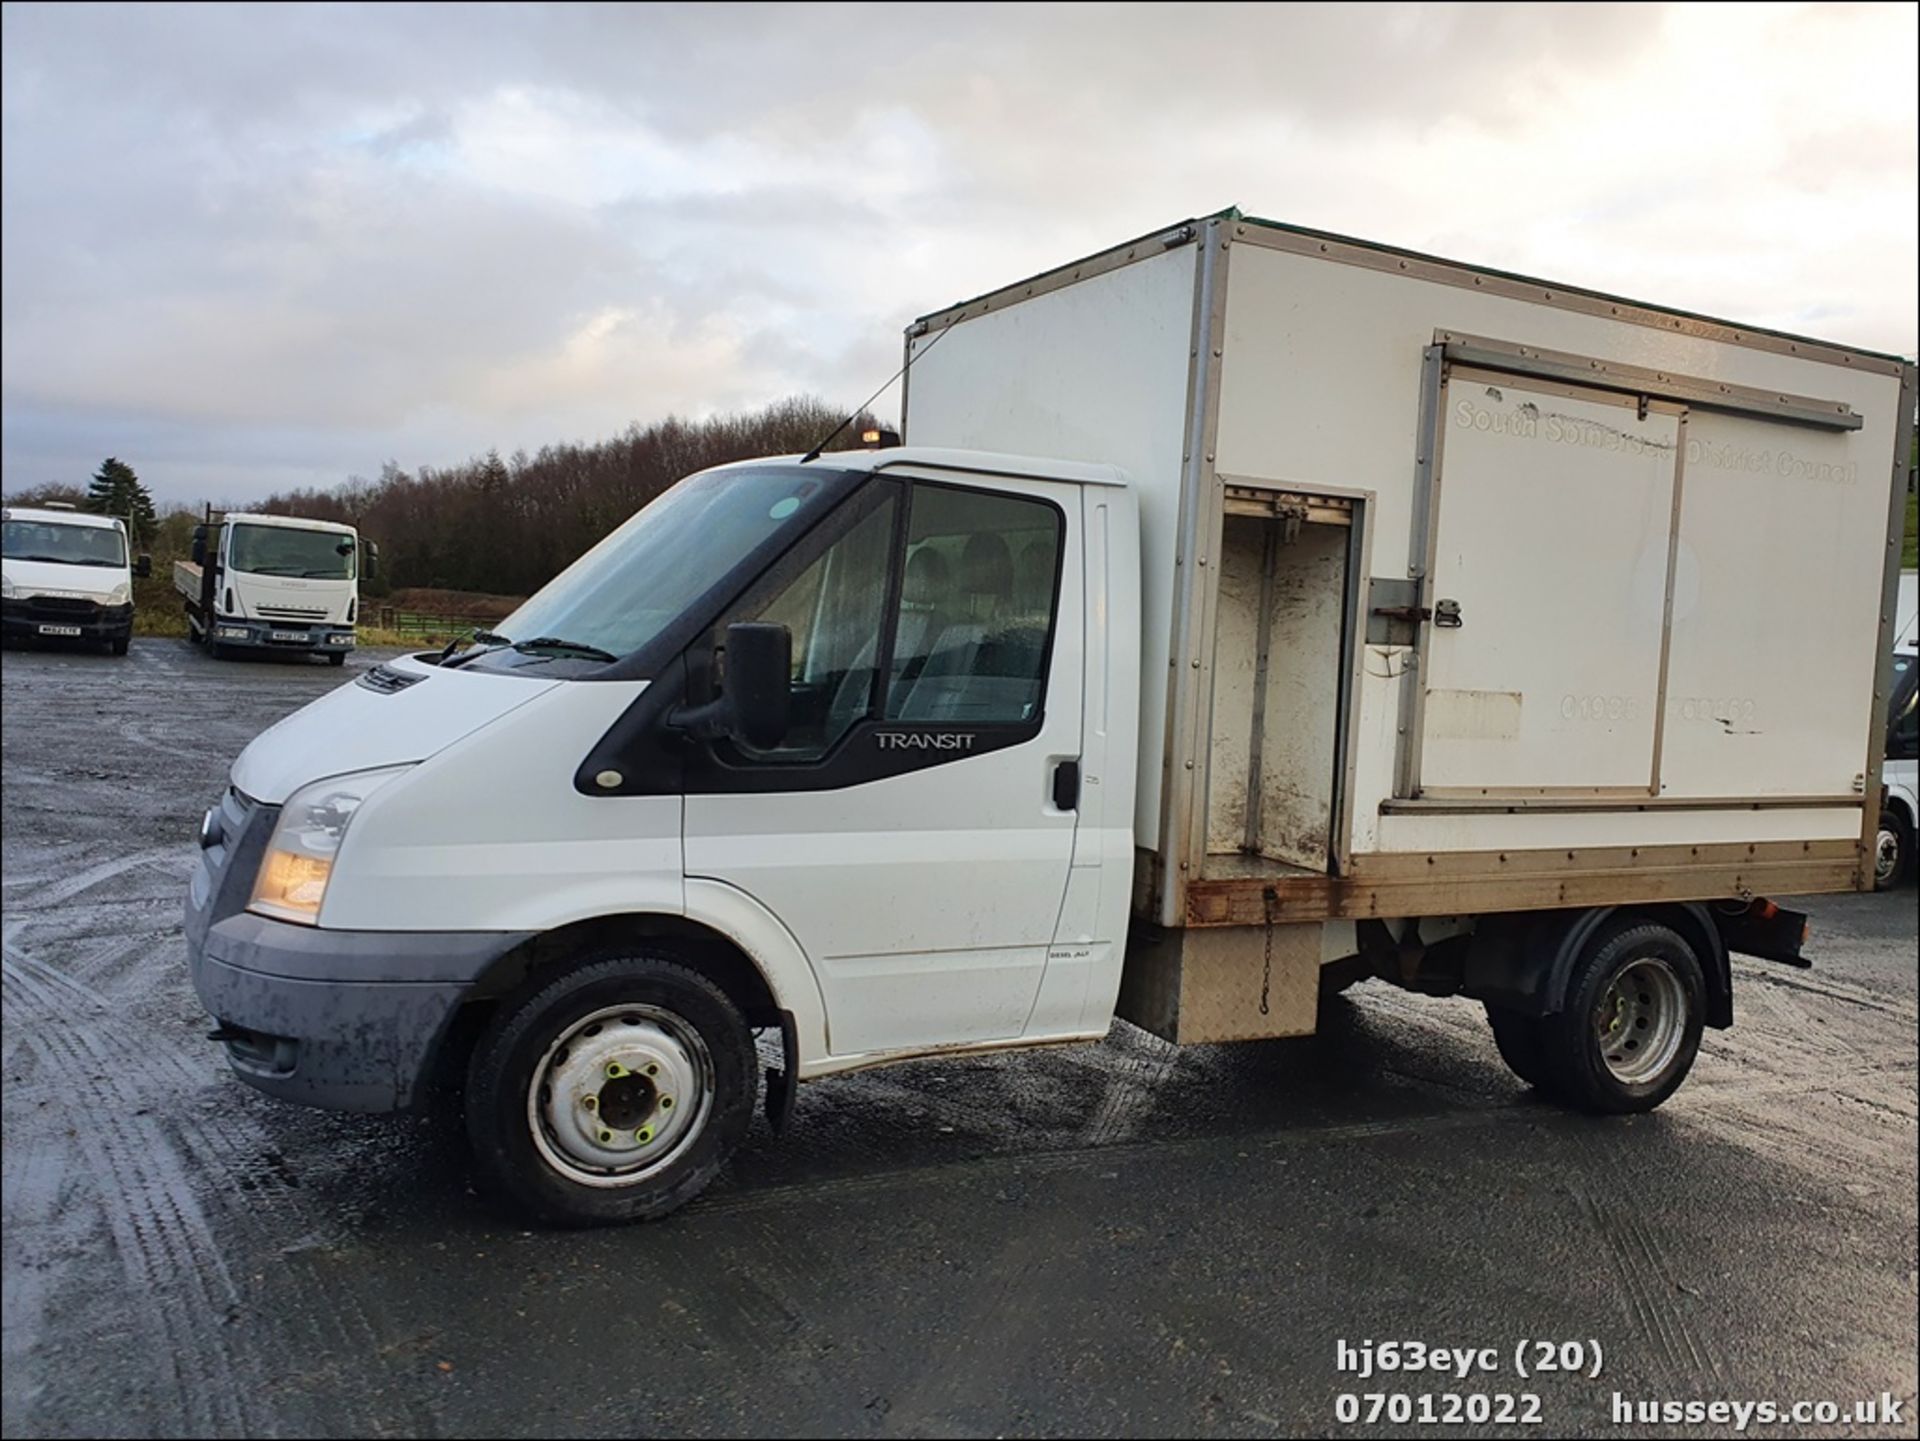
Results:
<point x="1249" y="611"/>
<point x="272" y="583"/>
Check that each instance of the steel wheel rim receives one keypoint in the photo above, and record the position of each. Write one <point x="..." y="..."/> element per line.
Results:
<point x="620" y="1094"/>
<point x="1641" y="1021"/>
<point x="1886" y="855"/>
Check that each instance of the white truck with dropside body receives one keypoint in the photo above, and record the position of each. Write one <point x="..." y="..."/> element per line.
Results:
<point x="1249" y="611"/>
<point x="274" y="583"/>
<point x="65" y="574"/>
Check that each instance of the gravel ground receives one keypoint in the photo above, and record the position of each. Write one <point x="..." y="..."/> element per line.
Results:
<point x="1122" y="1238"/>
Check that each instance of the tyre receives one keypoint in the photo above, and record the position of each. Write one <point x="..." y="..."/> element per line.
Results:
<point x="338" y="657"/>
<point x="1523" y="1045"/>
<point x="1630" y="1030"/>
<point x="1892" y="852"/>
<point x="121" y="643"/>
<point x="614" y="1092"/>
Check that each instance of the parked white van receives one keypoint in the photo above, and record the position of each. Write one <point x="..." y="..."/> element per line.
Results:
<point x="67" y="575"/>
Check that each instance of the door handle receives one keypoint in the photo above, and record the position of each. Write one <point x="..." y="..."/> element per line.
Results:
<point x="1066" y="786"/>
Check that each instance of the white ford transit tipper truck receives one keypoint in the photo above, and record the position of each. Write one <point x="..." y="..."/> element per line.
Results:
<point x="65" y="574"/>
<point x="273" y="582"/>
<point x="1248" y="611"/>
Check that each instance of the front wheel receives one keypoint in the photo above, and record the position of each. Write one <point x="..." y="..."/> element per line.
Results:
<point x="1631" y="1027"/>
<point x="1893" y="852"/>
<point x="120" y="644"/>
<point x="338" y="657"/>
<point x="614" y="1092"/>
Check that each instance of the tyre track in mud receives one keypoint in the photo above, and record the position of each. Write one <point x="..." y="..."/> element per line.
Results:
<point x="144" y="1141"/>
<point x="165" y="1243"/>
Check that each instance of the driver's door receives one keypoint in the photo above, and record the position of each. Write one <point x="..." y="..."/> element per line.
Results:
<point x="907" y="832"/>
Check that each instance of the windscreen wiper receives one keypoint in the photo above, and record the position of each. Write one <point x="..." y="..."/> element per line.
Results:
<point x="476" y="640"/>
<point x="554" y="642"/>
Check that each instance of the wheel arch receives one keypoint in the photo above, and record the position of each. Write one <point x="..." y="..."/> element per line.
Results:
<point x="1524" y="962"/>
<point x="724" y="934"/>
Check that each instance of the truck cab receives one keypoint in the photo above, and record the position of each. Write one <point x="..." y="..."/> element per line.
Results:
<point x="1893" y="860"/>
<point x="67" y="576"/>
<point x="857" y="732"/>
<point x="273" y="583"/>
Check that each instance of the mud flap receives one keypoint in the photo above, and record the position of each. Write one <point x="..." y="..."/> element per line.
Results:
<point x="782" y="1084"/>
<point x="1766" y="931"/>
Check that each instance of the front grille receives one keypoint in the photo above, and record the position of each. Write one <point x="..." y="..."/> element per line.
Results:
<point x="292" y="612"/>
<point x="57" y="607"/>
<point x="387" y="680"/>
<point x="221" y="886"/>
<point x="234" y="810"/>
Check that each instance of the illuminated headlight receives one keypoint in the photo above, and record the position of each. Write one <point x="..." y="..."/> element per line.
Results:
<point x="299" y="861"/>
<point x="120" y="594"/>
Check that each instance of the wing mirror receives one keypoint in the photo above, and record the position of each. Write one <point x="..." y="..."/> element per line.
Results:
<point x="754" y="703"/>
<point x="199" y="545"/>
<point x="143" y="566"/>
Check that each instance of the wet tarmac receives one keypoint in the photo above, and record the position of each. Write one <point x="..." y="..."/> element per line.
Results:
<point x="1124" y="1238"/>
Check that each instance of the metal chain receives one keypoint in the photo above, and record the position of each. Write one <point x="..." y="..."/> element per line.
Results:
<point x="1266" y="970"/>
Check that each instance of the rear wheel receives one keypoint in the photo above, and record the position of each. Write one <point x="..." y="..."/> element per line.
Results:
<point x="1892" y="852"/>
<point x="614" y="1092"/>
<point x="1631" y="1026"/>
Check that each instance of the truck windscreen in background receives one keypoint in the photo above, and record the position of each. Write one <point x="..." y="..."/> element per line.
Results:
<point x="58" y="544"/>
<point x="1903" y="709"/>
<point x="277" y="550"/>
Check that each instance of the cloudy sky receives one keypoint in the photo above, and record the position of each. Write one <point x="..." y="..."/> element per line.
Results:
<point x="246" y="248"/>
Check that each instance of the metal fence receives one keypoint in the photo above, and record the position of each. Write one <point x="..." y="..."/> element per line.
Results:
<point x="428" y="627"/>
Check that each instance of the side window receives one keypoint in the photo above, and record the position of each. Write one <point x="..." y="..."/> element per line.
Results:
<point x="976" y="608"/>
<point x="834" y="609"/>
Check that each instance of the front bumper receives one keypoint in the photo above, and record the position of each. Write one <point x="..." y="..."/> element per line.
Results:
<point x="55" y="616"/>
<point x="345" y="1020"/>
<point x="282" y="635"/>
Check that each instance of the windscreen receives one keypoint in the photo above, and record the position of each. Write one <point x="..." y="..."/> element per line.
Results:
<point x="277" y="550"/>
<point x="631" y="586"/>
<point x="1903" y="709"/>
<point x="59" y="544"/>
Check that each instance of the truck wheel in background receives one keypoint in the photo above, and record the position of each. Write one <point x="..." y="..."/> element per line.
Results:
<point x="1893" y="852"/>
<point x="613" y="1092"/>
<point x="1630" y="1028"/>
<point x="1523" y="1044"/>
<point x="338" y="657"/>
